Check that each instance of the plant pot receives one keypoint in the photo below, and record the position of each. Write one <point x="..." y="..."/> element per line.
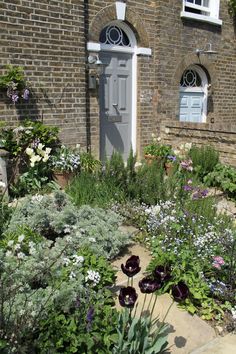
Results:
<point x="169" y="168"/>
<point x="150" y="158"/>
<point x="63" y="178"/>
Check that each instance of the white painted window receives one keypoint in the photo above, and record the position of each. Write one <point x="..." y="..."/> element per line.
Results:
<point x="202" y="10"/>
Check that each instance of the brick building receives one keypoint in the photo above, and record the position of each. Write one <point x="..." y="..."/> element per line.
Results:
<point x="110" y="73"/>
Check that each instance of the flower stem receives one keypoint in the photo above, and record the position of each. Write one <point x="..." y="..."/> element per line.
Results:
<point x="143" y="304"/>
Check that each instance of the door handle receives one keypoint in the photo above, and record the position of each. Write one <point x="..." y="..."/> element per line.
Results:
<point x="114" y="104"/>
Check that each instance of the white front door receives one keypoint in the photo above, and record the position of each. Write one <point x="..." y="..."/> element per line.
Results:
<point x="191" y="106"/>
<point x="115" y="104"/>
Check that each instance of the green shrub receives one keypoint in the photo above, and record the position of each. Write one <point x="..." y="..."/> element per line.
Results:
<point x="54" y="299"/>
<point x="223" y="177"/>
<point x="94" y="190"/>
<point x="204" y="159"/>
<point x="149" y="184"/>
<point x="55" y="216"/>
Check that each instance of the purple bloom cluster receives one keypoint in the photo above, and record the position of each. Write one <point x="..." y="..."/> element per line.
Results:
<point x="14" y="94"/>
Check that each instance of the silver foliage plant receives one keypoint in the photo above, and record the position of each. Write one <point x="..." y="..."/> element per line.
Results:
<point x="30" y="285"/>
<point x="55" y="216"/>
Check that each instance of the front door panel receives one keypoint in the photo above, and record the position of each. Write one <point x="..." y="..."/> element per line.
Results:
<point x="115" y="104"/>
<point x="191" y="106"/>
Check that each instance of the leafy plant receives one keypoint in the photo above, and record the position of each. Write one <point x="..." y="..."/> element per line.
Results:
<point x="142" y="335"/>
<point x="65" y="159"/>
<point x="232" y="7"/>
<point x="204" y="159"/>
<point x="54" y="296"/>
<point x="28" y="133"/>
<point x="88" y="163"/>
<point x="223" y="177"/>
<point x="15" y="84"/>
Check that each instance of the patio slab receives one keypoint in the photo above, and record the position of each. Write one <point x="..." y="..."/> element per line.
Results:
<point x="186" y="332"/>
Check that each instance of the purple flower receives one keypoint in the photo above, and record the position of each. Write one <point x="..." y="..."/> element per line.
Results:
<point x="204" y="192"/>
<point x="180" y="292"/>
<point x="187" y="188"/>
<point x="148" y="285"/>
<point x="131" y="266"/>
<point x="162" y="273"/>
<point x="26" y="94"/>
<point x="14" y="97"/>
<point x="171" y="158"/>
<point x="127" y="297"/>
<point x="89" y="317"/>
<point x="186" y="165"/>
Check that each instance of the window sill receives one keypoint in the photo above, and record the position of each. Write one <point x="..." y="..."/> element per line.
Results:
<point x="202" y="18"/>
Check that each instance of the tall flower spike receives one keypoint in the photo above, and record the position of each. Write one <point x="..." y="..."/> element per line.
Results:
<point x="131" y="266"/>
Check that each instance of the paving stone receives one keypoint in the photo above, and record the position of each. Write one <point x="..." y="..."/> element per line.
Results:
<point x="222" y="345"/>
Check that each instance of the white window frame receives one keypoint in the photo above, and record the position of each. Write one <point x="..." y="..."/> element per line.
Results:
<point x="211" y="13"/>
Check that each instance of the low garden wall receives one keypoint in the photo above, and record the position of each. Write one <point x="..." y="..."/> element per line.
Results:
<point x="221" y="137"/>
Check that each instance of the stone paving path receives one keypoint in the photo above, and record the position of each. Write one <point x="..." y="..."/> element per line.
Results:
<point x="187" y="334"/>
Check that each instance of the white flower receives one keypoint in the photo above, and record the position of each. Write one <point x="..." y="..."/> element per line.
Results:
<point x="78" y="260"/>
<point x="93" y="276"/>
<point x="10" y="243"/>
<point x="77" y="146"/>
<point x="48" y="150"/>
<point x="40" y="147"/>
<point x="17" y="246"/>
<point x="159" y="138"/>
<point x="8" y="254"/>
<point x="2" y="184"/>
<point x="66" y="261"/>
<point x="92" y="239"/>
<point x="187" y="146"/>
<point x="20" y="255"/>
<point x="46" y="157"/>
<point x="21" y="238"/>
<point x="29" y="151"/>
<point x="72" y="275"/>
<point x="33" y="159"/>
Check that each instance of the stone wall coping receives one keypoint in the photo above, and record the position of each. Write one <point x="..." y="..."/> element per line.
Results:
<point x="213" y="128"/>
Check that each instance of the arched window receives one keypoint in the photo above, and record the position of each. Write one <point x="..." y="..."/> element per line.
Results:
<point x="193" y="95"/>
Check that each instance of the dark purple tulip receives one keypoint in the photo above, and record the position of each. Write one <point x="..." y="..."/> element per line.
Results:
<point x="148" y="285"/>
<point x="131" y="266"/>
<point x="127" y="297"/>
<point x="180" y="292"/>
<point x="89" y="318"/>
<point x="187" y="188"/>
<point x="162" y="273"/>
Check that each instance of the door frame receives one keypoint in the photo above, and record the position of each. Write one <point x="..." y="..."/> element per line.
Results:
<point x="133" y="49"/>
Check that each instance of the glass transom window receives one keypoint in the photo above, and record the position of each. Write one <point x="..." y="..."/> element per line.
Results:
<point x="190" y="78"/>
<point x="115" y="36"/>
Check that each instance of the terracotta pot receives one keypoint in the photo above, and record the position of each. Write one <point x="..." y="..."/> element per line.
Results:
<point x="150" y="158"/>
<point x="169" y="168"/>
<point x="63" y="178"/>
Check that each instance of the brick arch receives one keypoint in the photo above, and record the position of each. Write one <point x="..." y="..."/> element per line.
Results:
<point x="108" y="14"/>
<point x="193" y="59"/>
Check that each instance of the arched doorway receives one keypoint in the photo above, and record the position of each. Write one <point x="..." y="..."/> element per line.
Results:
<point x="117" y="90"/>
<point x="193" y="95"/>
